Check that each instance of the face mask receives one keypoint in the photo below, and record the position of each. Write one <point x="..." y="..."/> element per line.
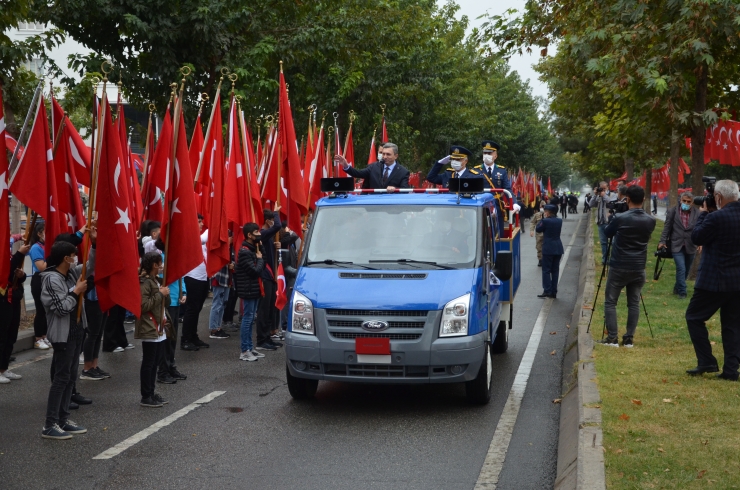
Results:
<point x="685" y="207"/>
<point x="380" y="156"/>
<point x="256" y="238"/>
<point x="456" y="165"/>
<point x="488" y="159"/>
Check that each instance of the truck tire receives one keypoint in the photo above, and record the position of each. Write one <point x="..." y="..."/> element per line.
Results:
<point x="501" y="342"/>
<point x="301" y="388"/>
<point x="478" y="391"/>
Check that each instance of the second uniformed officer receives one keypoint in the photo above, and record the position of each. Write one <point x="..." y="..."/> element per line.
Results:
<point x="496" y="175"/>
<point x="458" y="159"/>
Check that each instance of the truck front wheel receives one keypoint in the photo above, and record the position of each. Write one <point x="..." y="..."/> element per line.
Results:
<point x="478" y="391"/>
<point x="301" y="388"/>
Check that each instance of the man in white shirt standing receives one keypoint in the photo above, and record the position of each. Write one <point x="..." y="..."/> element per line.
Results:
<point x="196" y="283"/>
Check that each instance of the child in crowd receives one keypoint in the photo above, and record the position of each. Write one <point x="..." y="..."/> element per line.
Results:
<point x="150" y="327"/>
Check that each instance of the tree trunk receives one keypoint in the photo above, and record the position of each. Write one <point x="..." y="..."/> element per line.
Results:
<point x="698" y="132"/>
<point x="629" y="168"/>
<point x="675" y="155"/>
<point x="648" y="202"/>
<point x="695" y="267"/>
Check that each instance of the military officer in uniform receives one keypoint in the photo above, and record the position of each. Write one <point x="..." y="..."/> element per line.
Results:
<point x="458" y="160"/>
<point x="536" y="218"/>
<point x="496" y="176"/>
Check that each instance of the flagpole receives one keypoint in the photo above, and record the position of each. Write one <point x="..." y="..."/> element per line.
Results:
<point x="95" y="150"/>
<point x="349" y="131"/>
<point x="216" y="100"/>
<point x="147" y="150"/>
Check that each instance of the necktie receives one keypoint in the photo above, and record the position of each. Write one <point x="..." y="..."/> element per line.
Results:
<point x="490" y="173"/>
<point x="385" y="174"/>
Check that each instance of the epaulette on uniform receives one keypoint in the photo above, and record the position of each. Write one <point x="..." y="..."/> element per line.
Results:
<point x="472" y="171"/>
<point x="450" y="170"/>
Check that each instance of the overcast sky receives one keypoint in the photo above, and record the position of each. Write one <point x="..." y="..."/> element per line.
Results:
<point x="522" y="64"/>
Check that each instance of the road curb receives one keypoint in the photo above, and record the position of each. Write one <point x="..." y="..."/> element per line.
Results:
<point x="580" y="449"/>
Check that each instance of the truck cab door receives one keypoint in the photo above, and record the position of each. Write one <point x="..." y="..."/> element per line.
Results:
<point x="492" y="284"/>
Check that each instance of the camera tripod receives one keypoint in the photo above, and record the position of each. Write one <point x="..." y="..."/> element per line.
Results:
<point x="598" y="288"/>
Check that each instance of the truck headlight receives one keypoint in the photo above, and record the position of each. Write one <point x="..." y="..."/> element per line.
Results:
<point x="455" y="317"/>
<point x="302" y="314"/>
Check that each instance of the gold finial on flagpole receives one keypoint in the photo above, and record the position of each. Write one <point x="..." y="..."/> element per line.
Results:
<point x="203" y="100"/>
<point x="281" y="66"/>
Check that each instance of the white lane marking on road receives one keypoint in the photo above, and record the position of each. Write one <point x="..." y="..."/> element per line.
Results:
<point x="494" y="462"/>
<point x="17" y="365"/>
<point x="140" y="436"/>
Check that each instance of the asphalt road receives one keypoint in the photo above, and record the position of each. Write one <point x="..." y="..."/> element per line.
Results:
<point x="255" y="436"/>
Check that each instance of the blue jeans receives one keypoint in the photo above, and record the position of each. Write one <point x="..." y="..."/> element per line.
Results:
<point x="220" y="297"/>
<point x="249" y="310"/>
<point x="604" y="240"/>
<point x="683" y="262"/>
<point x="550" y="273"/>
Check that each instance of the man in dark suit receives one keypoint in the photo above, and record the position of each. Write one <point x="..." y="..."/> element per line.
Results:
<point x="552" y="251"/>
<point x="564" y="205"/>
<point x="679" y="223"/>
<point x="458" y="160"/>
<point x="386" y="174"/>
<point x="718" y="282"/>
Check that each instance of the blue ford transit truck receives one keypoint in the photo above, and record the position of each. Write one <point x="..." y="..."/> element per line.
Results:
<point x="402" y="288"/>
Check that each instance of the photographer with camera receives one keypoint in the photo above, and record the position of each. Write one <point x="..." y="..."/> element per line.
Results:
<point x="631" y="232"/>
<point x="602" y="196"/>
<point x="718" y="281"/>
<point x="676" y="238"/>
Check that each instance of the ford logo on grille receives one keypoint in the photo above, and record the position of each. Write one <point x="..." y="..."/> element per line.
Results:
<point x="374" y="325"/>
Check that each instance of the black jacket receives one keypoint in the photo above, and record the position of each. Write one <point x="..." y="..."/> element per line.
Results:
<point x="373" y="175"/>
<point x="631" y="231"/>
<point x="550" y="229"/>
<point x="267" y="246"/>
<point x="247" y="272"/>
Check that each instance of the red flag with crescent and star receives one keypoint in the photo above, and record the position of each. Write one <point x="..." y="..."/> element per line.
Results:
<point x="34" y="182"/>
<point x="281" y="298"/>
<point x="180" y="228"/>
<point x="117" y="260"/>
<point x="65" y="171"/>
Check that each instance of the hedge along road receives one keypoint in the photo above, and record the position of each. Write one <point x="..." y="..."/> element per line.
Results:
<point x="253" y="434"/>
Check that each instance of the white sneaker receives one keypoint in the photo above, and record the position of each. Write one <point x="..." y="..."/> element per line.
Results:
<point x="4" y="380"/>
<point x="47" y="342"/>
<point x="82" y="359"/>
<point x="118" y="349"/>
<point x="41" y="344"/>
<point x="130" y="346"/>
<point x="247" y="356"/>
<point x="11" y="375"/>
<point x="257" y="354"/>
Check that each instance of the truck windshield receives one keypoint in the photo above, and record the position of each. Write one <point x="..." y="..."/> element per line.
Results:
<point x="406" y="236"/>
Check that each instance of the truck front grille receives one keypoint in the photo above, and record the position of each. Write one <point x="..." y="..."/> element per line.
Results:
<point x="358" y="324"/>
<point x="376" y="313"/>
<point x="392" y="336"/>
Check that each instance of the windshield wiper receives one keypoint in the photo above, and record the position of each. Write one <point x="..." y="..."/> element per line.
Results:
<point x="337" y="262"/>
<point x="412" y="261"/>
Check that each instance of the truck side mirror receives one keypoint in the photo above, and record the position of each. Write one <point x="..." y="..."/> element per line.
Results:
<point x="504" y="266"/>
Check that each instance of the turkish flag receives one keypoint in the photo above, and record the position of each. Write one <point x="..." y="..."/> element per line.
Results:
<point x="292" y="179"/>
<point x="34" y="182"/>
<point x="316" y="170"/>
<point x="157" y="168"/>
<point x="131" y="176"/>
<point x="236" y="192"/>
<point x="384" y="132"/>
<point x="65" y="168"/>
<point x="180" y="227"/>
<point x="549" y="187"/>
<point x="196" y="149"/>
<point x="255" y="207"/>
<point x="4" y="203"/>
<point x="151" y="194"/>
<point x="349" y="152"/>
<point x="76" y="151"/>
<point x="217" y="247"/>
<point x="117" y="262"/>
<point x="373" y="157"/>
<point x="269" y="171"/>
<point x="733" y="134"/>
<point x="281" y="298"/>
